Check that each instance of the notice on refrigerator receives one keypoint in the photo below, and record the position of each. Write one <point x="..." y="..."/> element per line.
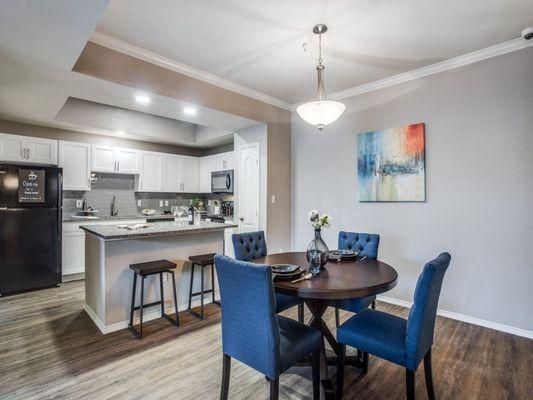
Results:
<point x="31" y="186"/>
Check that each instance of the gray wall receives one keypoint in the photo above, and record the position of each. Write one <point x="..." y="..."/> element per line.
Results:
<point x="479" y="174"/>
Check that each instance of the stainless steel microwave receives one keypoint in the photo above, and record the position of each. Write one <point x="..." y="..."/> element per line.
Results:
<point x="222" y="181"/>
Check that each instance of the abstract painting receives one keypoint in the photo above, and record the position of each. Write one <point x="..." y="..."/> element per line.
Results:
<point x="391" y="164"/>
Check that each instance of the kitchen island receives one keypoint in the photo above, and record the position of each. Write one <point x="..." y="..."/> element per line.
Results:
<point x="110" y="249"/>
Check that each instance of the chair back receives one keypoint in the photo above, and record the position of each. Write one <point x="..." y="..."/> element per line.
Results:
<point x="250" y="330"/>
<point x="249" y="245"/>
<point x="365" y="244"/>
<point x="421" y="321"/>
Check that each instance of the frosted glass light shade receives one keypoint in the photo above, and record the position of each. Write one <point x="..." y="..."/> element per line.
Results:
<point x="321" y="112"/>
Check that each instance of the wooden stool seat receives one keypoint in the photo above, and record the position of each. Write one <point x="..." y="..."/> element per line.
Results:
<point x="152" y="267"/>
<point x="203" y="261"/>
<point x="146" y="269"/>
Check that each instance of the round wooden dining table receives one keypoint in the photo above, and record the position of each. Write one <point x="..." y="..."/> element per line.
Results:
<point x="338" y="280"/>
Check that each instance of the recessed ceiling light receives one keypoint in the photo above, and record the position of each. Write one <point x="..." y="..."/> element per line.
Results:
<point x="189" y="110"/>
<point x="120" y="133"/>
<point x="142" y="99"/>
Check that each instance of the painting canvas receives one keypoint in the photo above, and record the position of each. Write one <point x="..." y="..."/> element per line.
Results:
<point x="391" y="164"/>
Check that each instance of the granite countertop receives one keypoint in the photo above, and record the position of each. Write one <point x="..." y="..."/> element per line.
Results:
<point x="77" y="218"/>
<point x="112" y="232"/>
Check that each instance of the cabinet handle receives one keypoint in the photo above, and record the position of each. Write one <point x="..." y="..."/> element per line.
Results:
<point x="21" y="152"/>
<point x="28" y="154"/>
<point x="118" y="165"/>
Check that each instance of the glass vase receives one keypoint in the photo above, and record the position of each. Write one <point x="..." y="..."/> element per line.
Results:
<point x="317" y="253"/>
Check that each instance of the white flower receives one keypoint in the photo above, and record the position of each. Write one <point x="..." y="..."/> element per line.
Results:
<point x="312" y="216"/>
<point x="325" y="220"/>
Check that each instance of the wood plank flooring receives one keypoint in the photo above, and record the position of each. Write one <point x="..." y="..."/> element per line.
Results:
<point x="50" y="349"/>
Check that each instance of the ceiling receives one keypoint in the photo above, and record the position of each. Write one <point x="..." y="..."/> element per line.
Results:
<point x="258" y="43"/>
<point x="253" y="43"/>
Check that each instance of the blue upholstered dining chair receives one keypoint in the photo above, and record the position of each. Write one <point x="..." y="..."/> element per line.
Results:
<point x="252" y="332"/>
<point x="403" y="342"/>
<point x="366" y="245"/>
<point x="250" y="245"/>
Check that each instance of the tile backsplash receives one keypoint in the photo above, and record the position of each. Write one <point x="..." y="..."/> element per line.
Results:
<point x="106" y="186"/>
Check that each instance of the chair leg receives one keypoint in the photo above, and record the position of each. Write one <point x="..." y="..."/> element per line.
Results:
<point x="202" y="291"/>
<point x="141" y="308"/>
<point x="213" y="283"/>
<point x="374" y="305"/>
<point x="175" y="298"/>
<point x="274" y="389"/>
<point x="190" y="286"/>
<point x="132" y="309"/>
<point x="162" y="294"/>
<point x="429" y="376"/>
<point x="301" y="315"/>
<point x="315" y="365"/>
<point x="226" y="369"/>
<point x="337" y="317"/>
<point x="341" y="359"/>
<point x="365" y="362"/>
<point x="410" y="384"/>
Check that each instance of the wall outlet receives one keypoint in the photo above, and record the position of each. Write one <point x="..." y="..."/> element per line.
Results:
<point x="273" y="199"/>
<point x="166" y="203"/>
<point x="79" y="203"/>
<point x="160" y="203"/>
<point x="139" y="203"/>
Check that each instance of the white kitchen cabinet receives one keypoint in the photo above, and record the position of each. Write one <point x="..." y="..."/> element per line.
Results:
<point x="171" y="173"/>
<point x="115" y="160"/>
<point x="27" y="149"/>
<point x="151" y="172"/>
<point x="211" y="163"/>
<point x="73" y="249"/>
<point x="75" y="158"/>
<point x="189" y="174"/>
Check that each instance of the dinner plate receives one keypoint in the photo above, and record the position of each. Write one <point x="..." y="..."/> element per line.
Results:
<point x="288" y="276"/>
<point x="284" y="268"/>
<point x="343" y="254"/>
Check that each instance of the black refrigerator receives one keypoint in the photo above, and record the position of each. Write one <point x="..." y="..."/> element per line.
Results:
<point x="30" y="227"/>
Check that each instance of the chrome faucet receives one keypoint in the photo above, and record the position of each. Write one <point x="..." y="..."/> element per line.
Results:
<point x="114" y="207"/>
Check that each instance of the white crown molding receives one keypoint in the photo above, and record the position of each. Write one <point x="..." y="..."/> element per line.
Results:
<point x="465" y="318"/>
<point x="146" y="55"/>
<point x="452" y="63"/>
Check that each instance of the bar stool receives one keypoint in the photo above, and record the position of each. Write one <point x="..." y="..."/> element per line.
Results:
<point x="146" y="269"/>
<point x="203" y="261"/>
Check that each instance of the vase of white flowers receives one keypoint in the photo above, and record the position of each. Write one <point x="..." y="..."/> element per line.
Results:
<point x="317" y="251"/>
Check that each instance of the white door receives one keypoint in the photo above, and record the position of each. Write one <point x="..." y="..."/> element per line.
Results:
<point x="189" y="174"/>
<point x="249" y="188"/>
<point x="12" y="147"/>
<point x="171" y="173"/>
<point x="75" y="158"/>
<point x="127" y="161"/>
<point x="151" y="172"/>
<point x="103" y="159"/>
<point x="42" y="151"/>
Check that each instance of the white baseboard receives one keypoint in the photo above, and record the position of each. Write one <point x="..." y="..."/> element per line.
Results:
<point x="117" y="326"/>
<point x="464" y="318"/>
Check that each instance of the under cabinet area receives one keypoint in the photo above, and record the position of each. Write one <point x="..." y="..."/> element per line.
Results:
<point x="26" y="149"/>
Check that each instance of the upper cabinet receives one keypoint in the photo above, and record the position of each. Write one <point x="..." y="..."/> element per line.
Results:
<point x="209" y="164"/>
<point x="168" y="173"/>
<point x="115" y="160"/>
<point x="151" y="172"/>
<point x="25" y="149"/>
<point x="75" y="158"/>
<point x="189" y="174"/>
<point x="171" y="173"/>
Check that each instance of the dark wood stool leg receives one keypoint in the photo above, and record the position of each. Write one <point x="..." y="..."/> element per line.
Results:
<point x="341" y="359"/>
<point x="190" y="287"/>
<point x="202" y="292"/>
<point x="410" y="384"/>
<point x="337" y="317"/>
<point x="429" y="376"/>
<point x="274" y="389"/>
<point x="226" y="369"/>
<point x="133" y="299"/>
<point x="315" y="366"/>
<point x="141" y="308"/>
<point x="374" y="305"/>
<point x="162" y="294"/>
<point x="365" y="362"/>
<point x="301" y="314"/>
<point x="213" y="283"/>
<point x="175" y="298"/>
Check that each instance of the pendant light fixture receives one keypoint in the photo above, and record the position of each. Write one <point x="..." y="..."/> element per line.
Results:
<point x="320" y="112"/>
